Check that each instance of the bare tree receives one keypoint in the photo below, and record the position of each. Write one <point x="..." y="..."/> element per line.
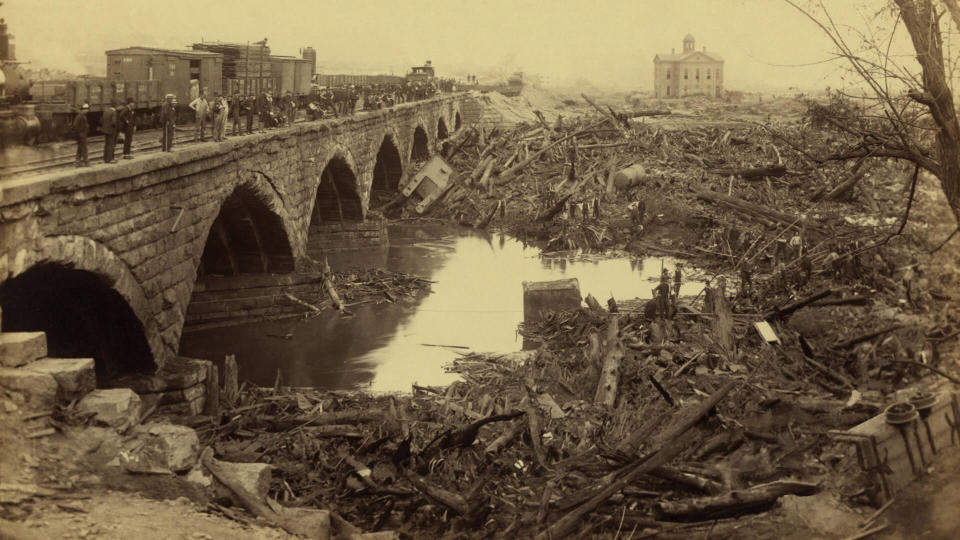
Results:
<point x="910" y="116"/>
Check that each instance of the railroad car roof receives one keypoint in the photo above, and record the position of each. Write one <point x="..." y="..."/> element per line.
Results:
<point x="187" y="53"/>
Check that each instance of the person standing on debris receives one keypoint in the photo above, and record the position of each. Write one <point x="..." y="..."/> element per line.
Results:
<point x="201" y="107"/>
<point x="108" y="126"/>
<point x="662" y="294"/>
<point x="81" y="127"/>
<point x="168" y="120"/>
<point x="127" y="127"/>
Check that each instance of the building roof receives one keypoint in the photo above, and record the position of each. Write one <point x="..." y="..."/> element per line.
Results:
<point x="688" y="37"/>
<point x="687" y="56"/>
<point x="136" y="49"/>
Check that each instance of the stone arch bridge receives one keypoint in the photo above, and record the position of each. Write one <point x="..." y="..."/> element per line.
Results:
<point x="104" y="260"/>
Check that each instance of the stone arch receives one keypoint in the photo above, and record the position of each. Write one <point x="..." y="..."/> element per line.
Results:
<point x="388" y="166"/>
<point x="457" y="121"/>
<point x="339" y="196"/>
<point x="248" y="235"/>
<point x="420" y="144"/>
<point x="442" y="132"/>
<point x="87" y="301"/>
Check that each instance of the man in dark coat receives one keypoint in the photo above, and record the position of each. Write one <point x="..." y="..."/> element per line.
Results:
<point x="168" y="118"/>
<point x="108" y="126"/>
<point x="250" y="108"/>
<point x="127" y="127"/>
<point x="80" y="129"/>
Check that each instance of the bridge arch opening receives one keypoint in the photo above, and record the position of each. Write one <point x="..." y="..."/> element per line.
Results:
<point x="442" y="130"/>
<point x="421" y="146"/>
<point x="82" y="316"/>
<point x="457" y="122"/>
<point x="246" y="237"/>
<point x="338" y="198"/>
<point x="388" y="168"/>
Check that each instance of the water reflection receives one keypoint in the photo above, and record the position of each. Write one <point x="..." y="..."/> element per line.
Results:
<point x="476" y="302"/>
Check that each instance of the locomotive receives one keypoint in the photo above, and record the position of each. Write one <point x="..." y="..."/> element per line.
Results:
<point x="145" y="75"/>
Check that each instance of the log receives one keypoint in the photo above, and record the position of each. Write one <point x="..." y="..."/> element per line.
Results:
<point x="231" y="389"/>
<point x="754" y="499"/>
<point x="325" y="419"/>
<point x="649" y="112"/>
<point x="608" y="114"/>
<point x="558" y="207"/>
<point x="211" y="406"/>
<point x="793" y="306"/>
<point x="508" y="435"/>
<point x="663" y="448"/>
<point x="688" y="479"/>
<point x="479" y="169"/>
<point x="453" y="501"/>
<point x="485" y="177"/>
<point x="610" y="368"/>
<point x="755" y="173"/>
<point x="328" y="285"/>
<point x="868" y="336"/>
<point x="249" y="500"/>
<point x="509" y="173"/>
<point x="482" y="223"/>
<point x="594" y="305"/>
<point x="751" y="209"/>
<point x="604" y="145"/>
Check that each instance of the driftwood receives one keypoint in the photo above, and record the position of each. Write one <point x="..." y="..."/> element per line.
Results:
<point x="508" y="435"/>
<point x="608" y="114"/>
<point x="793" y="306"/>
<point x="688" y="479"/>
<point x="754" y="499"/>
<point x="509" y="173"/>
<point x="610" y="369"/>
<point x="453" y="501"/>
<point x="649" y="112"/>
<point x="749" y="209"/>
<point x="325" y="419"/>
<point x="231" y="389"/>
<point x="558" y="207"/>
<point x="663" y="448"/>
<point x="478" y="171"/>
<point x="868" y="336"/>
<point x="755" y="173"/>
<point x="328" y="285"/>
<point x="249" y="500"/>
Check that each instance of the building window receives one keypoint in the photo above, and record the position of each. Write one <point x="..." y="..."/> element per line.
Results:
<point x="668" y="74"/>
<point x="698" y="74"/>
<point x="708" y="74"/>
<point x="172" y="67"/>
<point x="718" y="74"/>
<point x="686" y="73"/>
<point x="127" y="59"/>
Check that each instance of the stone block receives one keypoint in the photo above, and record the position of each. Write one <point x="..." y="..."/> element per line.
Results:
<point x="118" y="408"/>
<point x="193" y="407"/>
<point x="160" y="447"/>
<point x="541" y="297"/>
<point x="75" y="376"/>
<point x="178" y="373"/>
<point x="19" y="348"/>
<point x="40" y="389"/>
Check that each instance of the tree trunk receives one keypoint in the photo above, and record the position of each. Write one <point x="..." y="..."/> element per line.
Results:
<point x="921" y="21"/>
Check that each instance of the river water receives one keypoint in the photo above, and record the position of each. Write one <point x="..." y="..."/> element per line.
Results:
<point x="475" y="304"/>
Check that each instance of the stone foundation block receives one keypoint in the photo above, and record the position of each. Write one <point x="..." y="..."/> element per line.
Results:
<point x="118" y="408"/>
<point x="160" y="447"/>
<point x="40" y="389"/>
<point x="19" y="348"/>
<point x="541" y="297"/>
<point x="177" y="374"/>
<point x="75" y="376"/>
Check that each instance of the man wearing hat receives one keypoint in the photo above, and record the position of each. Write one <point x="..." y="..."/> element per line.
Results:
<point x="80" y="129"/>
<point x="108" y="126"/>
<point x="127" y="127"/>
<point x="168" y="113"/>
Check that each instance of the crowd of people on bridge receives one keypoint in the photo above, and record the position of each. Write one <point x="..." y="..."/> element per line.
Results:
<point x="243" y="110"/>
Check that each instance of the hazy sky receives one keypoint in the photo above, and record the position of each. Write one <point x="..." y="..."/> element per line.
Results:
<point x="605" y="41"/>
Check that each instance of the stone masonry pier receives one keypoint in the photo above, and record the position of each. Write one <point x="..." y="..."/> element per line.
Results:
<point x="104" y="260"/>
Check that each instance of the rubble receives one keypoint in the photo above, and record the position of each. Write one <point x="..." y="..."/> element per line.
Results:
<point x="159" y="448"/>
<point x="118" y="408"/>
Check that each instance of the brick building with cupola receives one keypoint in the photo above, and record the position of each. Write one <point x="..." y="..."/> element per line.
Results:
<point x="689" y="73"/>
